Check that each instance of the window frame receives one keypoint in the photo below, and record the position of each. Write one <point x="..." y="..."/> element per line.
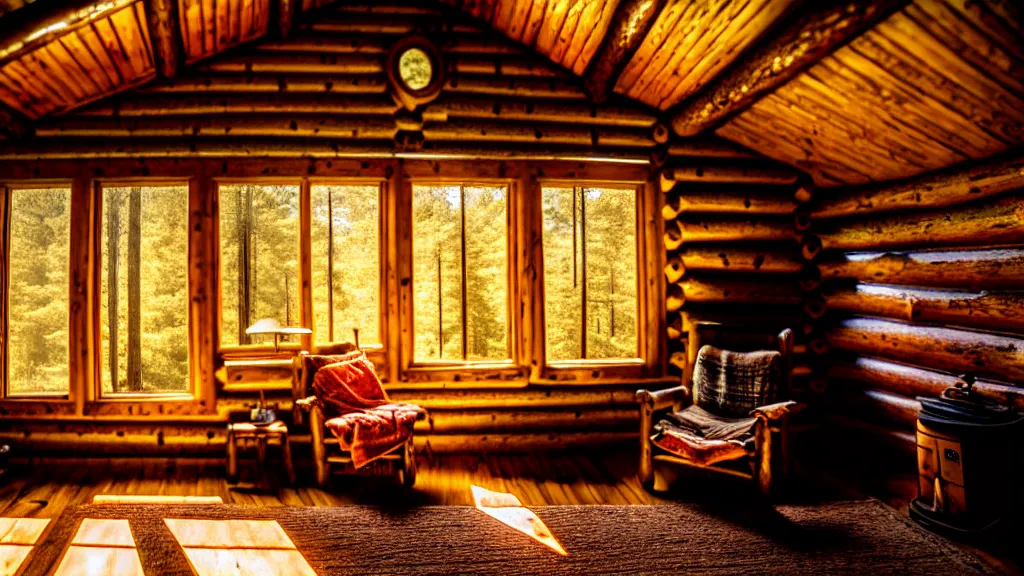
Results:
<point x="425" y="373"/>
<point x="648" y="361"/>
<point x="6" y="191"/>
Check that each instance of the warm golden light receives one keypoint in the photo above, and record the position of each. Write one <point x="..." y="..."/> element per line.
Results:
<point x="17" y="536"/>
<point x="234" y="547"/>
<point x="101" y="547"/>
<point x="154" y="499"/>
<point x="508" y="510"/>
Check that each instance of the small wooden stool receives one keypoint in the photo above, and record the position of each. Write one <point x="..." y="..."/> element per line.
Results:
<point x="242" y="435"/>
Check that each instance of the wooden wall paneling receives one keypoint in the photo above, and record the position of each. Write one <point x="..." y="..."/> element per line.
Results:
<point x="14" y="94"/>
<point x="476" y="107"/>
<point x="309" y="126"/>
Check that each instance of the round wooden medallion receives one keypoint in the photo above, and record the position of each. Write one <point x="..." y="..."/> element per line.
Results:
<point x="415" y="70"/>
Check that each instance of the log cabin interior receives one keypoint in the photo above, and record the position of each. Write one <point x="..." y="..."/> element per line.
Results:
<point x="511" y="286"/>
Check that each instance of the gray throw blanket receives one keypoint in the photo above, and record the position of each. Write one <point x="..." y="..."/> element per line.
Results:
<point x="732" y="384"/>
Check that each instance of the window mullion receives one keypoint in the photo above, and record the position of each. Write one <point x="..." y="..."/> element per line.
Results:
<point x="462" y="210"/>
<point x="583" y="266"/>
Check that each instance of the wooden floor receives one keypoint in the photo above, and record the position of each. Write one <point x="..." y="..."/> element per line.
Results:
<point x="43" y="489"/>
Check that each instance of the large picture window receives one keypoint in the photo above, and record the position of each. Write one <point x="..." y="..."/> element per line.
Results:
<point x="144" y="289"/>
<point x="345" y="244"/>
<point x="38" y="247"/>
<point x="590" y="273"/>
<point x="460" y="272"/>
<point x="259" y="252"/>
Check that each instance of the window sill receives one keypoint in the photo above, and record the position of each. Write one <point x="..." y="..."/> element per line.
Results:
<point x="147" y="397"/>
<point x="38" y="397"/>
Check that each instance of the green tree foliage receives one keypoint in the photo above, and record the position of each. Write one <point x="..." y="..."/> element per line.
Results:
<point x="590" y="237"/>
<point x="38" y="291"/>
<point x="345" y="243"/>
<point x="440" y="215"/>
<point x="259" y="252"/>
<point x="162" y="309"/>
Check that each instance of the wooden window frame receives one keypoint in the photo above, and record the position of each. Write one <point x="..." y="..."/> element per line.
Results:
<point x="6" y="192"/>
<point x="458" y="373"/>
<point x="650" y="288"/>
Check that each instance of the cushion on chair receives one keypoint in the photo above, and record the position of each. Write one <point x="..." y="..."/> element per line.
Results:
<point x="362" y="418"/>
<point x="705" y="438"/>
<point x="734" y="383"/>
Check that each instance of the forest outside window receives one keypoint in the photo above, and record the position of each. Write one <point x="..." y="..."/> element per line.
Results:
<point x="345" y="244"/>
<point x="590" y="273"/>
<point x="460" y="273"/>
<point x="259" y="252"/>
<point x="144" y="290"/>
<point x="36" y="351"/>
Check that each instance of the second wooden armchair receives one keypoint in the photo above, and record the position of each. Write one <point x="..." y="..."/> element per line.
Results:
<point x="679" y="427"/>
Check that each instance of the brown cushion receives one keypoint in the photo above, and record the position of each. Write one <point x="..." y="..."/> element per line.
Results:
<point x="705" y="438"/>
<point x="734" y="383"/>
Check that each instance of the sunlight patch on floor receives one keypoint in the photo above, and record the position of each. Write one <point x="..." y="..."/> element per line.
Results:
<point x="237" y="547"/>
<point x="101" y="547"/>
<point x="17" y="537"/>
<point x="507" y="509"/>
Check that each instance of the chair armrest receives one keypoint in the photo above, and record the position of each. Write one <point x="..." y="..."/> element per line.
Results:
<point x="307" y="404"/>
<point x="777" y="410"/>
<point x="661" y="399"/>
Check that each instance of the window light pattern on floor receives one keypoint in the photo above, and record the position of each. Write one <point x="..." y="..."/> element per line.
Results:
<point x="508" y="510"/>
<point x="237" y="547"/>
<point x="101" y="547"/>
<point x="17" y="537"/>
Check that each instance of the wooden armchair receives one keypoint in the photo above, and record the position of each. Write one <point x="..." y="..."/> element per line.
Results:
<point x="328" y="457"/>
<point x="759" y="461"/>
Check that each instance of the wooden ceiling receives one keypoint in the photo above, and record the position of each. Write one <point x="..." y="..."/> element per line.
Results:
<point x="850" y="91"/>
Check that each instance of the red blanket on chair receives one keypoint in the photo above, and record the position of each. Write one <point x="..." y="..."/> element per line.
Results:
<point x="360" y="415"/>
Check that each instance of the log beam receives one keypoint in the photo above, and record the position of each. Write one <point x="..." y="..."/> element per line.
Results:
<point x="14" y="124"/>
<point x="985" y="310"/>
<point x="744" y="200"/>
<point x="818" y="30"/>
<point x="39" y="23"/>
<point x="993" y="356"/>
<point x="946" y="188"/>
<point x="727" y="174"/>
<point x="764" y="259"/>
<point x="165" y="35"/>
<point x="990" y="269"/>
<point x="697" y="228"/>
<point x="982" y="224"/>
<point x="727" y="290"/>
<point x="909" y="381"/>
<point x="628" y="28"/>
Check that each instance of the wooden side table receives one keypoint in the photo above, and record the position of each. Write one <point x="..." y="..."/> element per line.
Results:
<point x="243" y="435"/>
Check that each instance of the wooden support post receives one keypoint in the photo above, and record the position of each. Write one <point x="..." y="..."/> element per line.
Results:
<point x="627" y="30"/>
<point x="814" y="33"/>
<point x="165" y="35"/>
<point x="286" y="17"/>
<point x="84" y="295"/>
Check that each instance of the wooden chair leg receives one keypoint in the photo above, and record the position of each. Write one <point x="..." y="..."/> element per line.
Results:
<point x="286" y="455"/>
<point x="232" y="458"/>
<point x="408" y="465"/>
<point x="763" y="459"/>
<point x="316" y="427"/>
<point x="645" y="472"/>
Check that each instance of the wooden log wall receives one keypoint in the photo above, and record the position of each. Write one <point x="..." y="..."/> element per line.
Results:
<point x="732" y="238"/>
<point x="922" y="283"/>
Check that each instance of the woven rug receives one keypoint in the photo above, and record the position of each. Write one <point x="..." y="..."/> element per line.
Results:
<point x="862" y="537"/>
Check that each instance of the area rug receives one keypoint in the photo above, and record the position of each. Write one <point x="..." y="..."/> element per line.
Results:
<point x="856" y="537"/>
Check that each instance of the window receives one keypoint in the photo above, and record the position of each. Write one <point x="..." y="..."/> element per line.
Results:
<point x="590" y="273"/>
<point x="345" y="243"/>
<point x="460" y="278"/>
<point x="144" y="289"/>
<point x="38" y="241"/>
<point x="259" y="252"/>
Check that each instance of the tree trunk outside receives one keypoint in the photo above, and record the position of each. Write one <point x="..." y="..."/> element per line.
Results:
<point x="134" y="291"/>
<point x="330" y="266"/>
<point x="242" y="233"/>
<point x="113" y="238"/>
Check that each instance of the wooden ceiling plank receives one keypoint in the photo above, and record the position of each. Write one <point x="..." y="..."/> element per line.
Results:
<point x="801" y="119"/>
<point x="501" y="17"/>
<point x="741" y="34"/>
<point x="916" y="40"/>
<point x="161" y="17"/>
<point x="892" y="56"/>
<point x="31" y="67"/>
<point x="554" y="16"/>
<point x="209" y="26"/>
<point x="928" y="114"/>
<point x="143" y="28"/>
<point x="115" y="50"/>
<point x="626" y="32"/>
<point x="660" y="32"/>
<point x="579" y="22"/>
<point x="13" y="123"/>
<point x="857" y="136"/>
<point x="79" y="50"/>
<point x="664" y="64"/>
<point x="245" y="20"/>
<point x="47" y="65"/>
<point x="262" y="18"/>
<point x="859" y="99"/>
<point x="1001" y="20"/>
<point x="518" y="20"/>
<point x="974" y="46"/>
<point x="596" y="36"/>
<point x="38" y="95"/>
<point x="92" y="42"/>
<point x="135" y="47"/>
<point x="222" y="24"/>
<point x="534" y="20"/>
<point x="72" y="69"/>
<point x="820" y="28"/>
<point x="752" y="134"/>
<point x="189" y="21"/>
